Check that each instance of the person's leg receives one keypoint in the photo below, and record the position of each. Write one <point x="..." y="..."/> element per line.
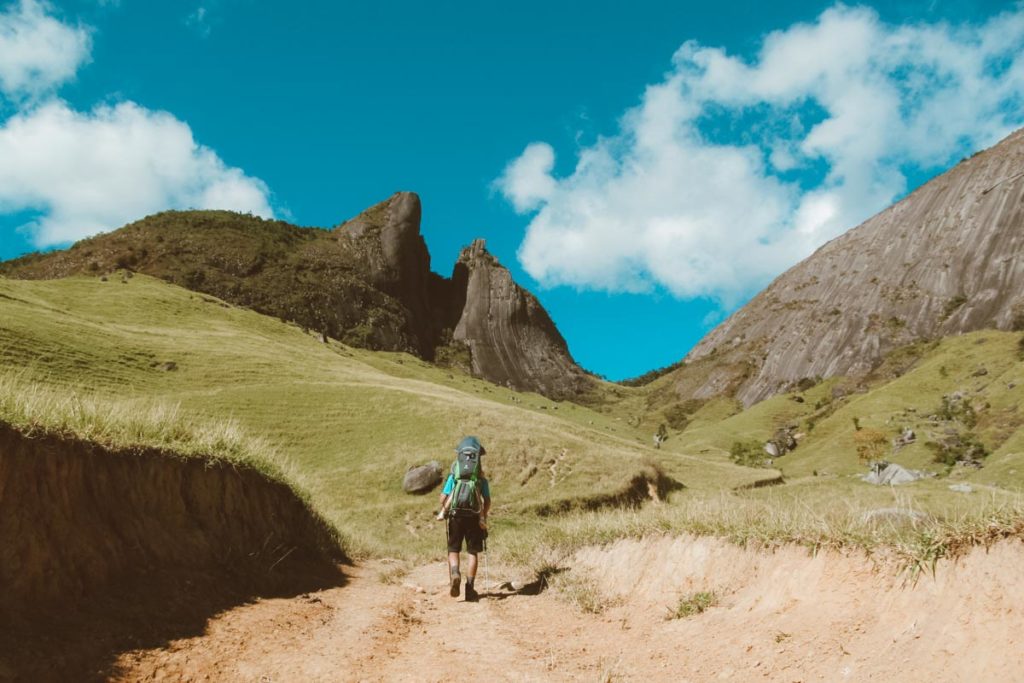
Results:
<point x="471" y="594"/>
<point x="455" y="536"/>
<point x="474" y="546"/>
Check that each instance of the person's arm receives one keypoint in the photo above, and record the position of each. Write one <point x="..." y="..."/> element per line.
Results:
<point x="445" y="495"/>
<point x="486" y="491"/>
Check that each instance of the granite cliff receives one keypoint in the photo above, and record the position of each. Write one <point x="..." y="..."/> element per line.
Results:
<point x="511" y="338"/>
<point x="947" y="259"/>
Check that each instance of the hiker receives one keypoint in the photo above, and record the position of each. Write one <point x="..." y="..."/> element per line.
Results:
<point x="465" y="501"/>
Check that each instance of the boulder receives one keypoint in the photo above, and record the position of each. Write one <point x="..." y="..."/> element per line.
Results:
<point x="906" y="437"/>
<point x="892" y="474"/>
<point x="783" y="441"/>
<point x="422" y="479"/>
<point x="961" y="488"/>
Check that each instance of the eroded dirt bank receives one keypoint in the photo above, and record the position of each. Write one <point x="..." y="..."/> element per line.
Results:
<point x="781" y="616"/>
<point x="104" y="550"/>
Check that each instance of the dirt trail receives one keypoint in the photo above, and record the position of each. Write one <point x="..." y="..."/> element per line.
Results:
<point x="781" y="616"/>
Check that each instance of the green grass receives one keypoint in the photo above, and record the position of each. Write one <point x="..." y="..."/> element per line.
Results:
<point x="348" y="421"/>
<point x="142" y="362"/>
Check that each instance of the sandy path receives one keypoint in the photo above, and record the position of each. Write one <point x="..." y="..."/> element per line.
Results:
<point x="782" y="616"/>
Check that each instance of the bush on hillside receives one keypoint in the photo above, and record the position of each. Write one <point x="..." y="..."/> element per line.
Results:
<point x="748" y="453"/>
<point x="958" y="448"/>
<point x="871" y="444"/>
<point x="955" y="408"/>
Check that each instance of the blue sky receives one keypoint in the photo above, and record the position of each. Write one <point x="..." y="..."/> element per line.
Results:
<point x="643" y="167"/>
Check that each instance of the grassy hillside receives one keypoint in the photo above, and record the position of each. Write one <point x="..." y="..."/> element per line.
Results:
<point x="980" y="375"/>
<point x="346" y="422"/>
<point x="305" y="275"/>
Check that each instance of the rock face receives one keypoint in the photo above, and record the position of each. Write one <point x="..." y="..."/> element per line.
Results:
<point x="511" y="338"/>
<point x="389" y="239"/>
<point x="367" y="282"/>
<point x="947" y="259"/>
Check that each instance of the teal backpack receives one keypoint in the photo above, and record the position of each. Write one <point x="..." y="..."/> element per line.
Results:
<point x="466" y="497"/>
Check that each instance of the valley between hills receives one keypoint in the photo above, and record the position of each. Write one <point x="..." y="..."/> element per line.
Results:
<point x="205" y="419"/>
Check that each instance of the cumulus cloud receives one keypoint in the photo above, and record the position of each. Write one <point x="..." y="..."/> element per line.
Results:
<point x="82" y="172"/>
<point x="95" y="171"/>
<point x="37" y="51"/>
<point x="527" y="180"/>
<point x="826" y="121"/>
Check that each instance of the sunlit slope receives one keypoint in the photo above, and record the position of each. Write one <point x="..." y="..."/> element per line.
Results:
<point x="350" y="421"/>
<point x="982" y="368"/>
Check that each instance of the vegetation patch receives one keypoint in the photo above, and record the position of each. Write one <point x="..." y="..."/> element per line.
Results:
<point x="748" y="453"/>
<point x="693" y="604"/>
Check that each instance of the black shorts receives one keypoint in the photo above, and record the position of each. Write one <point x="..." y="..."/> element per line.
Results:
<point x="465" y="528"/>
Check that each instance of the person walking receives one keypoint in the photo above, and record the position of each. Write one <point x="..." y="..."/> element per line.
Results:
<point x="465" y="502"/>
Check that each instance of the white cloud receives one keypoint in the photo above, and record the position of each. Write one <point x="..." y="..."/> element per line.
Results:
<point x="199" y="20"/>
<point x="85" y="172"/>
<point x="846" y="105"/>
<point x="89" y="172"/>
<point x="527" y="180"/>
<point x="37" y="52"/>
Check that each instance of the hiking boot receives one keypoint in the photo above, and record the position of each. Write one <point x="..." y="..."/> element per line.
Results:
<point x="471" y="594"/>
<point x="456" y="580"/>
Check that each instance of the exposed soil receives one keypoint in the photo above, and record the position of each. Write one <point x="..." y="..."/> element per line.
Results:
<point x="103" y="551"/>
<point x="781" y="616"/>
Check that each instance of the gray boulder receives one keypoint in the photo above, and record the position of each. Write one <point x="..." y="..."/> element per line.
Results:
<point x="423" y="478"/>
<point x="892" y="474"/>
<point x="906" y="437"/>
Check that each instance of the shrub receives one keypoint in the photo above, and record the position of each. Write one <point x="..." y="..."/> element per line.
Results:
<point x="748" y="453"/>
<point x="957" y="409"/>
<point x="693" y="604"/>
<point x="953" y="304"/>
<point x="957" y="447"/>
<point x="871" y="444"/>
<point x="676" y="417"/>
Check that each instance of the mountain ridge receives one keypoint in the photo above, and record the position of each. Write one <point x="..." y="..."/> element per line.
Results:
<point x="366" y="282"/>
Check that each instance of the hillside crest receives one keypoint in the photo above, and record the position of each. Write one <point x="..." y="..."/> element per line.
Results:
<point x="366" y="282"/>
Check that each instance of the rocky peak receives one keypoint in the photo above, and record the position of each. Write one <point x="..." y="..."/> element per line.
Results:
<point x="512" y="339"/>
<point x="367" y="282"/>
<point x="388" y="238"/>
<point x="947" y="259"/>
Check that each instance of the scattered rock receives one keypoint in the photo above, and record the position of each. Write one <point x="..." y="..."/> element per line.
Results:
<point x="961" y="488"/>
<point x="906" y="437"/>
<point x="783" y="441"/>
<point x="423" y="478"/>
<point x="892" y="474"/>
